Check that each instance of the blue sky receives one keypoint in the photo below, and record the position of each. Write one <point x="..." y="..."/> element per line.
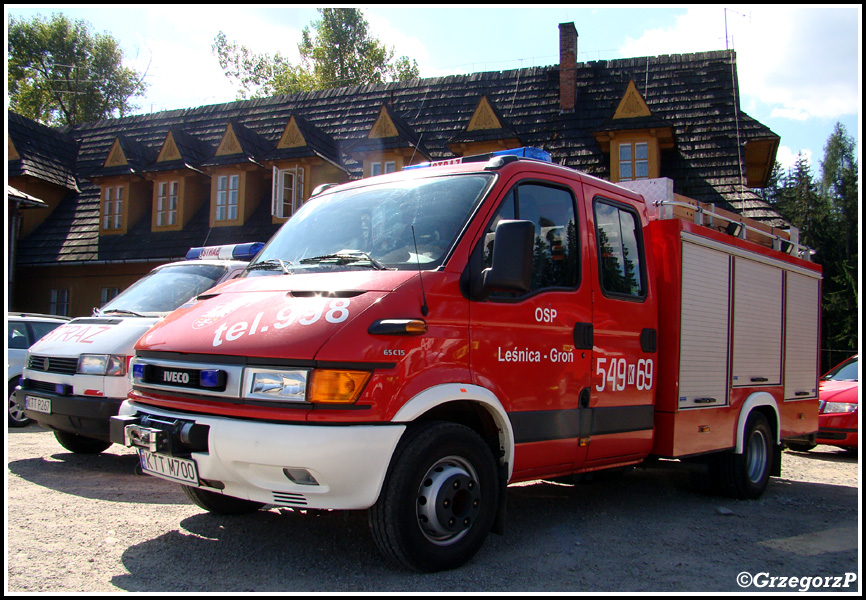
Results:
<point x="798" y="67"/>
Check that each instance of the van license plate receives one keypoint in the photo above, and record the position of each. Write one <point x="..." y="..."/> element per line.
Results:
<point x="37" y="404"/>
<point x="181" y="470"/>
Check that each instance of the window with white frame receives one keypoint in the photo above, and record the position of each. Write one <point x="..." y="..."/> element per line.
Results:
<point x="112" y="207"/>
<point x="227" y="197"/>
<point x="633" y="161"/>
<point x="59" y="302"/>
<point x="287" y="192"/>
<point x="166" y="203"/>
<point x="376" y="168"/>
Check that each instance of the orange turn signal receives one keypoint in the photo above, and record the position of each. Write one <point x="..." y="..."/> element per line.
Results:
<point x="340" y="387"/>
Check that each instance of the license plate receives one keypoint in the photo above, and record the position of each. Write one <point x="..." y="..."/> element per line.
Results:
<point x="181" y="470"/>
<point x="37" y="404"/>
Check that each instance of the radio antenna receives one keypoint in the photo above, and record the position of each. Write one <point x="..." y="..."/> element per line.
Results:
<point x="424" y="309"/>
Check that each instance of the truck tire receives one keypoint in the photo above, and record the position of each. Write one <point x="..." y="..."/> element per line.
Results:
<point x="746" y="475"/>
<point x="80" y="444"/>
<point x="439" y="498"/>
<point x="218" y="503"/>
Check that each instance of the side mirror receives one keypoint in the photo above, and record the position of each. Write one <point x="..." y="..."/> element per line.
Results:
<point x="512" y="258"/>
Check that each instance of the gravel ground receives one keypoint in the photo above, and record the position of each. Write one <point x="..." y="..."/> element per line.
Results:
<point x="89" y="524"/>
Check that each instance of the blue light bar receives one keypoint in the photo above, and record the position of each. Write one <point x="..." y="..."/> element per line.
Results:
<point x="228" y="252"/>
<point x="526" y="152"/>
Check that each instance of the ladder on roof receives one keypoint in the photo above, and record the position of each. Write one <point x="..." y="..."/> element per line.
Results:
<point x="709" y="215"/>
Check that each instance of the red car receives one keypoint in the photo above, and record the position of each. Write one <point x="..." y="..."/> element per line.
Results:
<point x="837" y="418"/>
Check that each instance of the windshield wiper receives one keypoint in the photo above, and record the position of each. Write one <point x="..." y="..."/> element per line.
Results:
<point x="121" y="311"/>
<point x="344" y="258"/>
<point x="274" y="264"/>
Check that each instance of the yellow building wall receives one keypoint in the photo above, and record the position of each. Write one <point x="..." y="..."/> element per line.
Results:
<point x="33" y="285"/>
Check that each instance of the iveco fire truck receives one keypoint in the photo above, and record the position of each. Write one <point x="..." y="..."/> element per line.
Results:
<point x="75" y="378"/>
<point x="412" y="343"/>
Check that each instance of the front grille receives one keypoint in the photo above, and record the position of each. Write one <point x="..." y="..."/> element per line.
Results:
<point x="41" y="386"/>
<point x="53" y="364"/>
<point x="289" y="499"/>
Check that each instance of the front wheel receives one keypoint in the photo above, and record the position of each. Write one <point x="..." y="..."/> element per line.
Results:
<point x="439" y="499"/>
<point x="16" y="413"/>
<point x="746" y="475"/>
<point x="80" y="444"/>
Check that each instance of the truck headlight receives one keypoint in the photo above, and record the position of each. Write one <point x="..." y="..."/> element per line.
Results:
<point x="113" y="365"/>
<point x="839" y="407"/>
<point x="275" y="384"/>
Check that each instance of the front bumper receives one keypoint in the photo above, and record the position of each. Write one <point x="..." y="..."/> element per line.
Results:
<point x="87" y="416"/>
<point x="249" y="459"/>
<point x="838" y="429"/>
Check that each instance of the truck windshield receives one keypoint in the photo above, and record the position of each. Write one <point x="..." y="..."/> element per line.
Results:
<point x="163" y="290"/>
<point x="390" y="225"/>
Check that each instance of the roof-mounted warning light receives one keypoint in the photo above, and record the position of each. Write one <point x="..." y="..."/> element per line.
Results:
<point x="228" y="252"/>
<point x="524" y="152"/>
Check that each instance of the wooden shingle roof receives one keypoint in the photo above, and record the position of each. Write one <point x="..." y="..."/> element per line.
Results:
<point x="694" y="94"/>
<point x="44" y="153"/>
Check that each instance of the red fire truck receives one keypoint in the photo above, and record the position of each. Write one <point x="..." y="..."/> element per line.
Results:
<point x="412" y="343"/>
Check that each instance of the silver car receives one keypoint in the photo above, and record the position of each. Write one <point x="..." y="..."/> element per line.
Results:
<point x="24" y="329"/>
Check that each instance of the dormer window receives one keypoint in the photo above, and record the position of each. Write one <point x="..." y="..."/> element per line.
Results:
<point x="112" y="207"/>
<point x="635" y="138"/>
<point x="633" y="161"/>
<point x="166" y="203"/>
<point x="228" y="187"/>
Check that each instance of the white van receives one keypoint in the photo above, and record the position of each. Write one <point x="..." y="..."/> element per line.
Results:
<point x="75" y="378"/>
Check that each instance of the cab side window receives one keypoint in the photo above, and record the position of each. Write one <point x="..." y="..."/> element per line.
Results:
<point x="17" y="336"/>
<point x="619" y="249"/>
<point x="552" y="210"/>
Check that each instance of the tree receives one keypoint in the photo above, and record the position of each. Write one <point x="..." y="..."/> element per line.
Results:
<point x="839" y="187"/>
<point x="338" y="51"/>
<point x="826" y="213"/>
<point x="61" y="73"/>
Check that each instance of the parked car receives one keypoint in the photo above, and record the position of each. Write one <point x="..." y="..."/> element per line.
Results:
<point x="76" y="377"/>
<point x="23" y="330"/>
<point x="837" y="412"/>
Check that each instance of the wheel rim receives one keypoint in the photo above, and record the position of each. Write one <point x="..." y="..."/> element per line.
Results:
<point x="15" y="413"/>
<point x="756" y="456"/>
<point x="449" y="500"/>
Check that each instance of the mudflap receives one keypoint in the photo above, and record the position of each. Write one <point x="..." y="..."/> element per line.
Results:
<point x="777" y="461"/>
<point x="499" y="520"/>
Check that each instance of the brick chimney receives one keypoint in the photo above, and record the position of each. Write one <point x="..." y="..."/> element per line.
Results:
<point x="567" y="66"/>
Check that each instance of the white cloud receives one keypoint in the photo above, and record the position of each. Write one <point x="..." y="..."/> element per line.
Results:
<point x="793" y="114"/>
<point x="802" y="62"/>
<point x="183" y="71"/>
<point x="698" y="30"/>
<point x="788" y="158"/>
<point x="404" y="44"/>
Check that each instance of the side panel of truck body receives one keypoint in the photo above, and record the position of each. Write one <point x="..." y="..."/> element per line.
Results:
<point x="738" y="329"/>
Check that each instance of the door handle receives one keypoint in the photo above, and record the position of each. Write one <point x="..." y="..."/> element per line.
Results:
<point x="583" y="336"/>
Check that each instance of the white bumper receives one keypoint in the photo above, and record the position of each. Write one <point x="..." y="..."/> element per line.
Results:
<point x="348" y="462"/>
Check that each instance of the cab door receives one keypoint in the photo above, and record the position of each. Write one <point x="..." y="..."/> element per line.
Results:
<point x="523" y="344"/>
<point x="624" y="357"/>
